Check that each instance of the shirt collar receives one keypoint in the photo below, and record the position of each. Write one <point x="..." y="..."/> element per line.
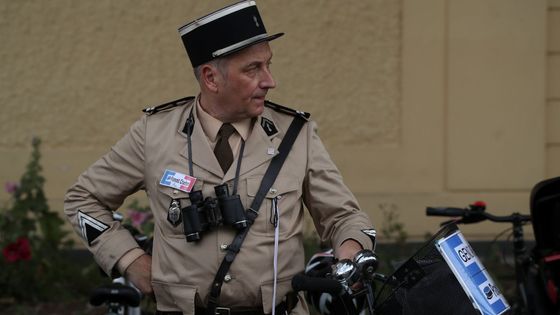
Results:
<point x="211" y="125"/>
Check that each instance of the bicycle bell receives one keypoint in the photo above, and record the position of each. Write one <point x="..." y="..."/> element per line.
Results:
<point x="346" y="272"/>
<point x="366" y="262"/>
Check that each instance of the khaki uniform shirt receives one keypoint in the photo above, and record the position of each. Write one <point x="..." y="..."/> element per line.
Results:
<point x="182" y="271"/>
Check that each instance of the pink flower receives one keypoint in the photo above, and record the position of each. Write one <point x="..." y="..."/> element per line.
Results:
<point x="138" y="218"/>
<point x="11" y="187"/>
<point x="20" y="250"/>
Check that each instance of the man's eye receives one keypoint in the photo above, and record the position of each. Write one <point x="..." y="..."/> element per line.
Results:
<point x="251" y="70"/>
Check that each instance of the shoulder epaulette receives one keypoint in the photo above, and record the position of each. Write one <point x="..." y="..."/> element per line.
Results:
<point x="159" y="108"/>
<point x="287" y="110"/>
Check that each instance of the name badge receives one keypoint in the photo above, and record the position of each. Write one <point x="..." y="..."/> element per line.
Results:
<point x="177" y="180"/>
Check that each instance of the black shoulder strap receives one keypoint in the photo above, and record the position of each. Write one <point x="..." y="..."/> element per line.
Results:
<point x="267" y="181"/>
<point x="154" y="109"/>
<point x="286" y="110"/>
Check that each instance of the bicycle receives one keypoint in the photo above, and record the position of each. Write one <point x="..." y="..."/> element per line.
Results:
<point x="412" y="287"/>
<point x="530" y="294"/>
<point x="355" y="287"/>
<point x="338" y="284"/>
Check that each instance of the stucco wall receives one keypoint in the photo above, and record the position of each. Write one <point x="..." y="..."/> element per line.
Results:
<point x="435" y="102"/>
<point x="553" y="88"/>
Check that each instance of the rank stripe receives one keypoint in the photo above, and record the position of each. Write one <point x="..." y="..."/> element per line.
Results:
<point x="87" y="223"/>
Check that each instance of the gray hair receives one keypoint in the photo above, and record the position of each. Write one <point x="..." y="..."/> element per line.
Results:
<point x="218" y="63"/>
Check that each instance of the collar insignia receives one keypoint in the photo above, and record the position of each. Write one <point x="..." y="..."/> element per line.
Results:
<point x="268" y="126"/>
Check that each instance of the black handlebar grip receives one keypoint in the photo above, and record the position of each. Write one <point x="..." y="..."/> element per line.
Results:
<point x="445" y="211"/>
<point x="301" y="282"/>
<point x="115" y="292"/>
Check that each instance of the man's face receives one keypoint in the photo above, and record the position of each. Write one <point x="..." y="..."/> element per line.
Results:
<point x="242" y="88"/>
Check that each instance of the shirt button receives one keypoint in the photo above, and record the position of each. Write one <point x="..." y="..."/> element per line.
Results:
<point x="227" y="278"/>
<point x="224" y="246"/>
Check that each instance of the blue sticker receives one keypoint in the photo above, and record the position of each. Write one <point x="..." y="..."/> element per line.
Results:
<point x="472" y="275"/>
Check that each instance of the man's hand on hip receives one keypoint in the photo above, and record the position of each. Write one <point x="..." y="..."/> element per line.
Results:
<point x="140" y="274"/>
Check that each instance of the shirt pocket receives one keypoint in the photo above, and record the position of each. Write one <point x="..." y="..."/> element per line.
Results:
<point x="284" y="199"/>
<point x="175" y="297"/>
<point x="166" y="195"/>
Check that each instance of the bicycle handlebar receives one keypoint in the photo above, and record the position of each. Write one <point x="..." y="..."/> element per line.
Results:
<point x="301" y="282"/>
<point x="475" y="213"/>
<point x="115" y="292"/>
<point x="445" y="212"/>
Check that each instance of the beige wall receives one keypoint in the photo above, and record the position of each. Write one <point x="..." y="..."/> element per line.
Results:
<point x="433" y="102"/>
<point x="553" y="89"/>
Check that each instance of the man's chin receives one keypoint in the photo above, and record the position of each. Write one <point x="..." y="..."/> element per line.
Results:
<point x="259" y="105"/>
<point x="258" y="111"/>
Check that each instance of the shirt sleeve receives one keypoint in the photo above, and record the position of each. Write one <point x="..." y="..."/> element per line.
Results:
<point x="128" y="258"/>
<point x="101" y="189"/>
<point x="334" y="209"/>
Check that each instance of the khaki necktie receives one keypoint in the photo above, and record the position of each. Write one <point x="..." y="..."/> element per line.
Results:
<point x="223" y="150"/>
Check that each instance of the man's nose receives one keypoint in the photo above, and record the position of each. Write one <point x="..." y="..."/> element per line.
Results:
<point x="267" y="81"/>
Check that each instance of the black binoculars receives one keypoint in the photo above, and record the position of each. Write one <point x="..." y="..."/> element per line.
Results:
<point x="204" y="214"/>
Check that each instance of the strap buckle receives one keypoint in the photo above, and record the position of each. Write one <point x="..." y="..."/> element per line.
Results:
<point x="223" y="311"/>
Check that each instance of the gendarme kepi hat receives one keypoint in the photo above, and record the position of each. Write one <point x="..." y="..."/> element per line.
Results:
<point x="223" y="32"/>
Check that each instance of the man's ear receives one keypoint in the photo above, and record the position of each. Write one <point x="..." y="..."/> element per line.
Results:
<point x="209" y="77"/>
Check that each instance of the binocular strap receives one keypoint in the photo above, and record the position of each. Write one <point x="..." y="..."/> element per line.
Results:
<point x="267" y="181"/>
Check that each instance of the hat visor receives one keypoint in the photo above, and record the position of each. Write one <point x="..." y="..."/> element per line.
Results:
<point x="260" y="40"/>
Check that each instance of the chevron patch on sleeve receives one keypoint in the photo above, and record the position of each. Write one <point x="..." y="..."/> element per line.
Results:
<point x="90" y="227"/>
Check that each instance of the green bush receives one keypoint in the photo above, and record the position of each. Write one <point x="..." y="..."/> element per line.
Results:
<point x="33" y="264"/>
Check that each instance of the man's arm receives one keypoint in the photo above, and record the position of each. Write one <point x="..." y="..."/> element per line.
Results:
<point x="101" y="189"/>
<point x="334" y="209"/>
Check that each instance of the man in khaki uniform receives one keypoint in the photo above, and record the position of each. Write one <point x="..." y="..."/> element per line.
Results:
<point x="174" y="151"/>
